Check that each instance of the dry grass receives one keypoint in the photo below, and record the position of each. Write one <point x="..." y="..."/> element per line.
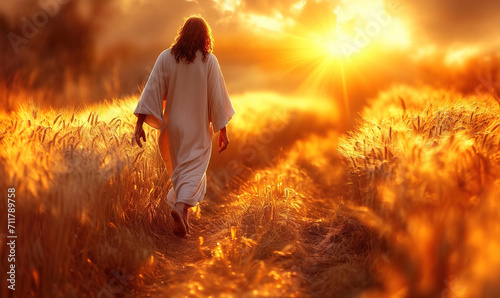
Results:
<point x="83" y="206"/>
<point x="93" y="221"/>
<point x="410" y="212"/>
<point x="424" y="171"/>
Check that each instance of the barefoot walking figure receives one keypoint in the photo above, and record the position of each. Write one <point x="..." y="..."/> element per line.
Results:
<point x="186" y="99"/>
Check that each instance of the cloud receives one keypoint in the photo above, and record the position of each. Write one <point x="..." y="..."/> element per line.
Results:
<point x="454" y="21"/>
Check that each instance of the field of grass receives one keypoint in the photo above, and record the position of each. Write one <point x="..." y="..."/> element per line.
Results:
<point x="403" y="205"/>
<point x="424" y="171"/>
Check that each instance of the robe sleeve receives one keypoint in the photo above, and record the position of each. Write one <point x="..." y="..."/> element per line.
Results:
<point x="151" y="100"/>
<point x="220" y="109"/>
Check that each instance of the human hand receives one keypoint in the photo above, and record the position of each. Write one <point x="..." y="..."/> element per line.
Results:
<point x="223" y="140"/>
<point x="139" y="133"/>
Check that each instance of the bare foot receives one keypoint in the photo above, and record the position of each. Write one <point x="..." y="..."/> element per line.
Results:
<point x="179" y="224"/>
<point x="184" y="210"/>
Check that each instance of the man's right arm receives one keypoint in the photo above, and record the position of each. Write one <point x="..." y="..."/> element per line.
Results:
<point x="140" y="119"/>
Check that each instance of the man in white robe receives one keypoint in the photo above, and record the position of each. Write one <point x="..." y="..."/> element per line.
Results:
<point x="196" y="106"/>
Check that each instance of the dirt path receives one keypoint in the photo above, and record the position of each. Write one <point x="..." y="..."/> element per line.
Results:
<point x="321" y="248"/>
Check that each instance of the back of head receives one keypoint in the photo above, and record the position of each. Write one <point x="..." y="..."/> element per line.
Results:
<point x="194" y="35"/>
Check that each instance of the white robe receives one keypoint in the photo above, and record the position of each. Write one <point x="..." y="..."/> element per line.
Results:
<point x="197" y="106"/>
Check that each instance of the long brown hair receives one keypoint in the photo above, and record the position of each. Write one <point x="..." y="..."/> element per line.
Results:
<point x="194" y="35"/>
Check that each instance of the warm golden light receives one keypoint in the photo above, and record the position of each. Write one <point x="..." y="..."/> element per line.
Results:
<point x="361" y="24"/>
<point x="365" y="132"/>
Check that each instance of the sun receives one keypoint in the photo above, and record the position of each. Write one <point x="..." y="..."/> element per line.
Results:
<point x="329" y="48"/>
<point x="338" y="43"/>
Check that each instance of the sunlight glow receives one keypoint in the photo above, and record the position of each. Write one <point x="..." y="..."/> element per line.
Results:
<point x="355" y="27"/>
<point x="228" y="5"/>
<point x="298" y="6"/>
<point x="361" y="23"/>
<point x="396" y="35"/>
<point x="276" y="23"/>
<point x="278" y="109"/>
<point x="329" y="48"/>
<point x="458" y="56"/>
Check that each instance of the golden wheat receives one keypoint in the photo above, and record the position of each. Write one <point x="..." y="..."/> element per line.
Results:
<point x="424" y="195"/>
<point x="410" y="209"/>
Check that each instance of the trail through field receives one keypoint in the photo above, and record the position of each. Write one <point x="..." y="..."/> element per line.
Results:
<point x="284" y="250"/>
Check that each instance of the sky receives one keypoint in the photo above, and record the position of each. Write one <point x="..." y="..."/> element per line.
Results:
<point x="348" y="50"/>
<point x="289" y="46"/>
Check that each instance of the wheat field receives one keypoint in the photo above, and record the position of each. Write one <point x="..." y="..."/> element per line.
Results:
<point x="404" y="205"/>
